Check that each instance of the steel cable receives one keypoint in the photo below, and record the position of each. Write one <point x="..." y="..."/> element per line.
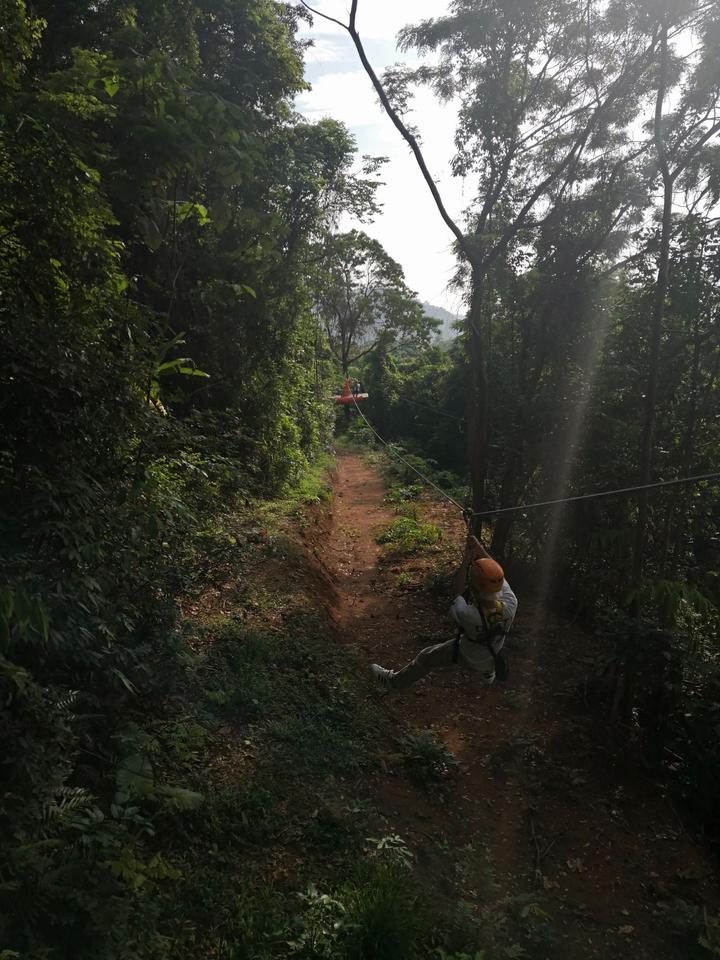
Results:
<point x="468" y="514"/>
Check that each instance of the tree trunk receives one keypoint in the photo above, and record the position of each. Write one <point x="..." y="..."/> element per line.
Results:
<point x="687" y="452"/>
<point x="658" y="316"/>
<point x="631" y="662"/>
<point x="646" y="441"/>
<point x="504" y="523"/>
<point x="476" y="403"/>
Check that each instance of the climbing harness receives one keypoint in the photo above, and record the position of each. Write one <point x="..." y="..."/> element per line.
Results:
<point x="494" y="629"/>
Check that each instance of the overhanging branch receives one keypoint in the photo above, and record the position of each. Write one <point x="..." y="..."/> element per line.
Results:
<point x="407" y="136"/>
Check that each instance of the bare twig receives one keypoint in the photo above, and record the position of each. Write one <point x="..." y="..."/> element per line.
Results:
<point x="540" y="853"/>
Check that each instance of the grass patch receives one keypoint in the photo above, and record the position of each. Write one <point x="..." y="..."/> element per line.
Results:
<point x="313" y="486"/>
<point x="427" y="758"/>
<point x="409" y="535"/>
<point x="183" y="742"/>
<point x="251" y="812"/>
<point x="405" y="580"/>
<point x="402" y="493"/>
<point x="295" y="688"/>
<point x="385" y="914"/>
<point x="437" y="580"/>
<point x="376" y="914"/>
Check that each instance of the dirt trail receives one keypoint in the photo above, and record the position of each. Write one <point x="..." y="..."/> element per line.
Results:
<point x="538" y="809"/>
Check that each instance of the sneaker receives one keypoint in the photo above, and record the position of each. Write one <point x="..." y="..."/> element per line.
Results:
<point x="383" y="676"/>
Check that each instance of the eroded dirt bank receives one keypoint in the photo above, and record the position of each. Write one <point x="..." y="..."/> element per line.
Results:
<point x="540" y="829"/>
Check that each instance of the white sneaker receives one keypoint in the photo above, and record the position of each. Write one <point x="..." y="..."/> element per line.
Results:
<point x="383" y="676"/>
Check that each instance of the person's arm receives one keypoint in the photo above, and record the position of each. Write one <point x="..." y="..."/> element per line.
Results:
<point x="473" y="549"/>
<point x="460" y="579"/>
<point x="476" y="549"/>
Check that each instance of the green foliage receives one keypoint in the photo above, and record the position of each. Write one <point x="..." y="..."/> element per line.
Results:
<point x="674" y="679"/>
<point x="672" y="598"/>
<point x="427" y="758"/>
<point x="392" y="850"/>
<point x="408" y="535"/>
<point x="292" y="684"/>
<point x="444" y="955"/>
<point x="123" y="439"/>
<point x="710" y="939"/>
<point x="383" y="914"/>
<point x="401" y="494"/>
<point x="375" y="915"/>
<point x="363" y="299"/>
<point x="418" y="400"/>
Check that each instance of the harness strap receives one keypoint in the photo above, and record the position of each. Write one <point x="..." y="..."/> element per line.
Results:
<point x="488" y="639"/>
<point x="500" y="662"/>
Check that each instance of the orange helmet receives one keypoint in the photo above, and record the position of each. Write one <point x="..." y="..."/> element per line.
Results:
<point x="486" y="576"/>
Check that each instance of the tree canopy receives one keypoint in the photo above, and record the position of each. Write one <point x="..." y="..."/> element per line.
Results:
<point x="363" y="299"/>
<point x="183" y="276"/>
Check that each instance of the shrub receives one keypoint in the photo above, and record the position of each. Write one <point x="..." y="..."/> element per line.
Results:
<point x="384" y="916"/>
<point x="427" y="757"/>
<point x="408" y="535"/>
<point x="400" y="494"/>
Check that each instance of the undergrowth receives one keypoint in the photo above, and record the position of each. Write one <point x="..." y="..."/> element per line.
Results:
<point x="314" y="485"/>
<point x="409" y="535"/>
<point x="281" y="857"/>
<point x="427" y="758"/>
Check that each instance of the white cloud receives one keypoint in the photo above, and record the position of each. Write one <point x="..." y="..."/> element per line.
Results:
<point x="325" y="49"/>
<point x="346" y="96"/>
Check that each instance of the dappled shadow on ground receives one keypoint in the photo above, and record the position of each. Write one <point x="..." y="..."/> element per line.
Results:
<point x="544" y="831"/>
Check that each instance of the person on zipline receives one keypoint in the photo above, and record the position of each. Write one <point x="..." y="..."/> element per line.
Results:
<point x="482" y="624"/>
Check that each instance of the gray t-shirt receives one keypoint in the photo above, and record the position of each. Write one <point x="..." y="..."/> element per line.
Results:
<point x="467" y="616"/>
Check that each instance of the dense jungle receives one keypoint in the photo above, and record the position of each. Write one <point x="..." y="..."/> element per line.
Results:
<point x="202" y="549"/>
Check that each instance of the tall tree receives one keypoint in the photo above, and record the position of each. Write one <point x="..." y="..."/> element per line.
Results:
<point x="363" y="299"/>
<point x="546" y="93"/>
<point x="679" y="138"/>
<point x="159" y="199"/>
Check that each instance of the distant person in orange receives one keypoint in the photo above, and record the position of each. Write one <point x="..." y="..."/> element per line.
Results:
<point x="482" y="624"/>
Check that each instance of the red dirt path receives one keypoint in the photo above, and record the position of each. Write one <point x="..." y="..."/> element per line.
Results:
<point x="538" y="807"/>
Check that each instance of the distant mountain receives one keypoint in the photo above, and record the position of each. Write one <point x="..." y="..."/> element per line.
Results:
<point x="447" y="319"/>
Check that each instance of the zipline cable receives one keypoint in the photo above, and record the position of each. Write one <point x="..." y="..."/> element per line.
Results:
<point x="414" y="469"/>
<point x="594" y="496"/>
<point x="468" y="515"/>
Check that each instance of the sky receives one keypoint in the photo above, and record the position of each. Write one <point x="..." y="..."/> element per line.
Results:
<point x="409" y="226"/>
